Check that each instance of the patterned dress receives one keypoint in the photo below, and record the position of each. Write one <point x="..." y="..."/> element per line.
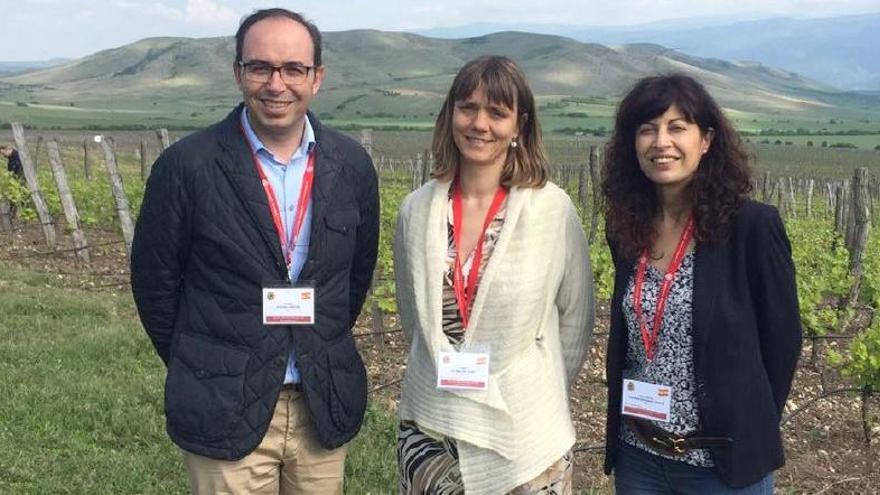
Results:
<point x="428" y="462"/>
<point x="673" y="362"/>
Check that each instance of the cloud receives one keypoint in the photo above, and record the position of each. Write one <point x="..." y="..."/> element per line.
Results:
<point x="150" y="9"/>
<point x="204" y="12"/>
<point x="209" y="12"/>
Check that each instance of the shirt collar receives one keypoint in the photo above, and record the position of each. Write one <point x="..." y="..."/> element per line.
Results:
<point x="306" y="146"/>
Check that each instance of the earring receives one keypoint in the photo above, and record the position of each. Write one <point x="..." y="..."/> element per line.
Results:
<point x="513" y="143"/>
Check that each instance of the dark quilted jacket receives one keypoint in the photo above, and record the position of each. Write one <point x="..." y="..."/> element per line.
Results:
<point x="204" y="247"/>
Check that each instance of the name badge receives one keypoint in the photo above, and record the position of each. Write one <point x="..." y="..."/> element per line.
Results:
<point x="288" y="305"/>
<point x="463" y="370"/>
<point x="646" y="400"/>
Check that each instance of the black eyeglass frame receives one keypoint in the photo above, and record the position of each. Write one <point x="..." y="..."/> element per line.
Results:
<point x="276" y="68"/>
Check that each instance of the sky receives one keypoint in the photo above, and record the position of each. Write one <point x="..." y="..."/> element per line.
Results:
<point x="44" y="29"/>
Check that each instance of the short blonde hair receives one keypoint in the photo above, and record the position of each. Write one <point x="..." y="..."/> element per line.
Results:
<point x="526" y="164"/>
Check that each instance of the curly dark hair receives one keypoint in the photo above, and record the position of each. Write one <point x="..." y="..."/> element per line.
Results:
<point x="721" y="182"/>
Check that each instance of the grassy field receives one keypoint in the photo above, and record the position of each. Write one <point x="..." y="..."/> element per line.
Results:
<point x="82" y="399"/>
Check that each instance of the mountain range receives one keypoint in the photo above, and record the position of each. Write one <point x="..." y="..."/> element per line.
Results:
<point x="839" y="51"/>
<point x="401" y="73"/>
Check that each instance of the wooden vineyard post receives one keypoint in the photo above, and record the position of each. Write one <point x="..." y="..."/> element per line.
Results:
<point x="70" y="211"/>
<point x="425" y="166"/>
<point x="872" y="196"/>
<point x="596" y="184"/>
<point x="86" y="167"/>
<point x="415" y="167"/>
<point x="122" y="208"/>
<point x="5" y="216"/>
<point x="376" y="318"/>
<point x="145" y="164"/>
<point x="164" y="140"/>
<point x="830" y="202"/>
<point x="858" y="231"/>
<point x="777" y="193"/>
<point x="850" y="220"/>
<point x="30" y="176"/>
<point x="840" y="208"/>
<point x="767" y="188"/>
<point x="367" y="141"/>
<point x="810" y="185"/>
<point x="565" y="176"/>
<point x="791" y="203"/>
<point x="583" y="174"/>
<point x="36" y="157"/>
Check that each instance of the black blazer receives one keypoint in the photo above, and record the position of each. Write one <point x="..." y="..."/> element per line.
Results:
<point x="747" y="339"/>
<point x="204" y="247"/>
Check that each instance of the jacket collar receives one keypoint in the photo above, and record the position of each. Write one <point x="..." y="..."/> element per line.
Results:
<point x="237" y="164"/>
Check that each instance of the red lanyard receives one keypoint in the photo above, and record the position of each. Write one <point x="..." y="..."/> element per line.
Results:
<point x="288" y="243"/>
<point x="464" y="294"/>
<point x="650" y="339"/>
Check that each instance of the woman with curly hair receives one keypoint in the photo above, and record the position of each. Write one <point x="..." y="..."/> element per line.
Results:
<point x="705" y="329"/>
<point x="494" y="291"/>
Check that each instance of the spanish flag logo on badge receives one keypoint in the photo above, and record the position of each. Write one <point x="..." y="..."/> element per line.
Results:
<point x="662" y="392"/>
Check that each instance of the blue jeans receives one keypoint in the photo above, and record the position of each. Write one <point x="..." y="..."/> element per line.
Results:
<point x="637" y="472"/>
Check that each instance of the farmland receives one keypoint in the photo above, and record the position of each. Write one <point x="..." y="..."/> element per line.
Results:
<point x="85" y="389"/>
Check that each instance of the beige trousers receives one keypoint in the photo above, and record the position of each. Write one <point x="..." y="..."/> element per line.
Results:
<point x="288" y="461"/>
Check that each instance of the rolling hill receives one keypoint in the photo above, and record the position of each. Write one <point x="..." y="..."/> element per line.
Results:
<point x="390" y="74"/>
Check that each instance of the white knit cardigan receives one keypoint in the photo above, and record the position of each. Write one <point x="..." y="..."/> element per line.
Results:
<point x="533" y="313"/>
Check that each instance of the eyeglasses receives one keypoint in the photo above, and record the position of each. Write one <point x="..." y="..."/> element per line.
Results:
<point x="261" y="72"/>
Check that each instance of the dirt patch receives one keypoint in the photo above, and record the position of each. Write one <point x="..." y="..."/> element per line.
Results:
<point x="826" y="451"/>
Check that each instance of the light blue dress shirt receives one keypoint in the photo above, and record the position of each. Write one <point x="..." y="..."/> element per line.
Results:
<point x="286" y="180"/>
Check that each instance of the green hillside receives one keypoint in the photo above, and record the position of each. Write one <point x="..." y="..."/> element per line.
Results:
<point x="397" y="80"/>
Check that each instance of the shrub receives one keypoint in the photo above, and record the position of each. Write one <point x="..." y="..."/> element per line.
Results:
<point x="843" y="145"/>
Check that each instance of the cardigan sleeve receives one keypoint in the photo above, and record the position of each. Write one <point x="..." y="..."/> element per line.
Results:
<point x="774" y="295"/>
<point x="403" y="289"/>
<point x="574" y="300"/>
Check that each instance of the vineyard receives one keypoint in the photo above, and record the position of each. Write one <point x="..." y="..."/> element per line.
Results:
<point x="71" y="218"/>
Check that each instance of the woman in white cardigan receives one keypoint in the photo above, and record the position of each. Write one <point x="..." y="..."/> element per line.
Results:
<point x="494" y="290"/>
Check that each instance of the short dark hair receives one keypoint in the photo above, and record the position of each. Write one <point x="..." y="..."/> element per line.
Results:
<point x="259" y="15"/>
<point x="722" y="180"/>
<point x="526" y="164"/>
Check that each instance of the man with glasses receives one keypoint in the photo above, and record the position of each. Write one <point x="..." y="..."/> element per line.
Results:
<point x="252" y="257"/>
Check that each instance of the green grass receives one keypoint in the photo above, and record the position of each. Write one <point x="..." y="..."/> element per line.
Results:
<point x="81" y="408"/>
<point x="371" y="464"/>
<point x="81" y="388"/>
